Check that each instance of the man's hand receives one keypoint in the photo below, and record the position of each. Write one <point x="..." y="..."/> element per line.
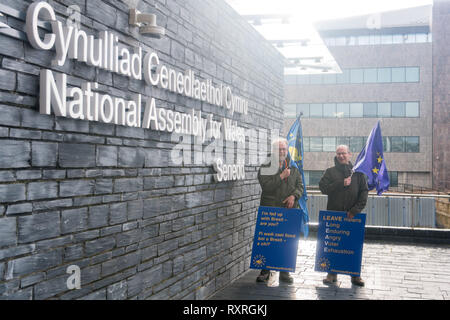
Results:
<point x="347" y="181"/>
<point x="289" y="202"/>
<point x="350" y="215"/>
<point x="286" y="173"/>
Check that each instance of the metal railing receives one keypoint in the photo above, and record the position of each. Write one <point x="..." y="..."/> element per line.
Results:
<point x="393" y="210"/>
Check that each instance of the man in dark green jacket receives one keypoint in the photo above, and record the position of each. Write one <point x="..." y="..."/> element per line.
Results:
<point x="281" y="186"/>
<point x="347" y="191"/>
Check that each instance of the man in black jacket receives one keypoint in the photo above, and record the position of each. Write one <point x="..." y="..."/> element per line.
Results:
<point x="281" y="186"/>
<point x="347" y="191"/>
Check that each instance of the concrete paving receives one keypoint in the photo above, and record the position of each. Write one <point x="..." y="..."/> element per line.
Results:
<point x="391" y="271"/>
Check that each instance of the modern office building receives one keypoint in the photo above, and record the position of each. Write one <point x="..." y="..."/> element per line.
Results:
<point x="387" y="74"/>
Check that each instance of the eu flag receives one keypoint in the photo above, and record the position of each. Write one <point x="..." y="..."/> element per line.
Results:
<point x="371" y="162"/>
<point x="295" y="147"/>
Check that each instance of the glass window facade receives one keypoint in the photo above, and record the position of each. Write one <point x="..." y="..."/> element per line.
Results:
<point x="377" y="39"/>
<point x="359" y="76"/>
<point x="312" y="177"/>
<point x="397" y="109"/>
<point x="356" y="144"/>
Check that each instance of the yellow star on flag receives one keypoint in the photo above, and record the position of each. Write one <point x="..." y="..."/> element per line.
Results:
<point x="375" y="170"/>
<point x="379" y="159"/>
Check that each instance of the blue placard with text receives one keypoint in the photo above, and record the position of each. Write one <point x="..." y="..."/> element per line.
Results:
<point x="276" y="238"/>
<point x="340" y="243"/>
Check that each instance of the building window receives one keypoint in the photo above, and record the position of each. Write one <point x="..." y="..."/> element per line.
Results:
<point x="330" y="42"/>
<point x="412" y="74"/>
<point x="290" y="111"/>
<point x="369" y="110"/>
<point x="384" y="109"/>
<point x="306" y="144"/>
<point x="370" y="75"/>
<point x="377" y="39"/>
<point x="421" y="37"/>
<point x="350" y="41"/>
<point x="398" y="109"/>
<point x="386" y="39"/>
<point x="329" y="78"/>
<point x="398" y="74"/>
<point x="393" y="178"/>
<point x="312" y="178"/>
<point x="356" y="110"/>
<point x="397" y="144"/>
<point x="397" y="38"/>
<point x="343" y="77"/>
<point x="412" y="109"/>
<point x="342" y="110"/>
<point x="386" y="144"/>
<point x="356" y="76"/>
<point x="412" y="144"/>
<point x="302" y="79"/>
<point x="315" y="79"/>
<point x="315" y="144"/>
<point x="329" y="110"/>
<point x="409" y="38"/>
<point x="303" y="108"/>
<point x="356" y="144"/>
<point x="340" y="41"/>
<point x="315" y="110"/>
<point x="383" y="75"/>
<point x="363" y="40"/>
<point x="342" y="141"/>
<point x="290" y="79"/>
<point x="329" y="144"/>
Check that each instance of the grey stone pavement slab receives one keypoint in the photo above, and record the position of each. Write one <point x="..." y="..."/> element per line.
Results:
<point x="391" y="271"/>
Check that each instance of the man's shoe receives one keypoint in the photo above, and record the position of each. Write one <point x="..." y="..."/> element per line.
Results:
<point x="286" y="277"/>
<point x="263" y="276"/>
<point x="330" y="279"/>
<point x="357" y="281"/>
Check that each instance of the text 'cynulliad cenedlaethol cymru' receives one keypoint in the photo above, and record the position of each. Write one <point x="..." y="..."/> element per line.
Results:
<point x="90" y="101"/>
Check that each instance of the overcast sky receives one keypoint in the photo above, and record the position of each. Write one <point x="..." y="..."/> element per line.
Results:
<point x="316" y="10"/>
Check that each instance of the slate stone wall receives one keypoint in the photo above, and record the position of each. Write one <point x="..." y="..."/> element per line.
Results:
<point x="108" y="198"/>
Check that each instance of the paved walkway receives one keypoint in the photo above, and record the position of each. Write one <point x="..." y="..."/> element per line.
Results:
<point x="390" y="270"/>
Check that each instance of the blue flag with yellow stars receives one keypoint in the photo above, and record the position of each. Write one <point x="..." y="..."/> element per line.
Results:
<point x="295" y="147"/>
<point x="371" y="162"/>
